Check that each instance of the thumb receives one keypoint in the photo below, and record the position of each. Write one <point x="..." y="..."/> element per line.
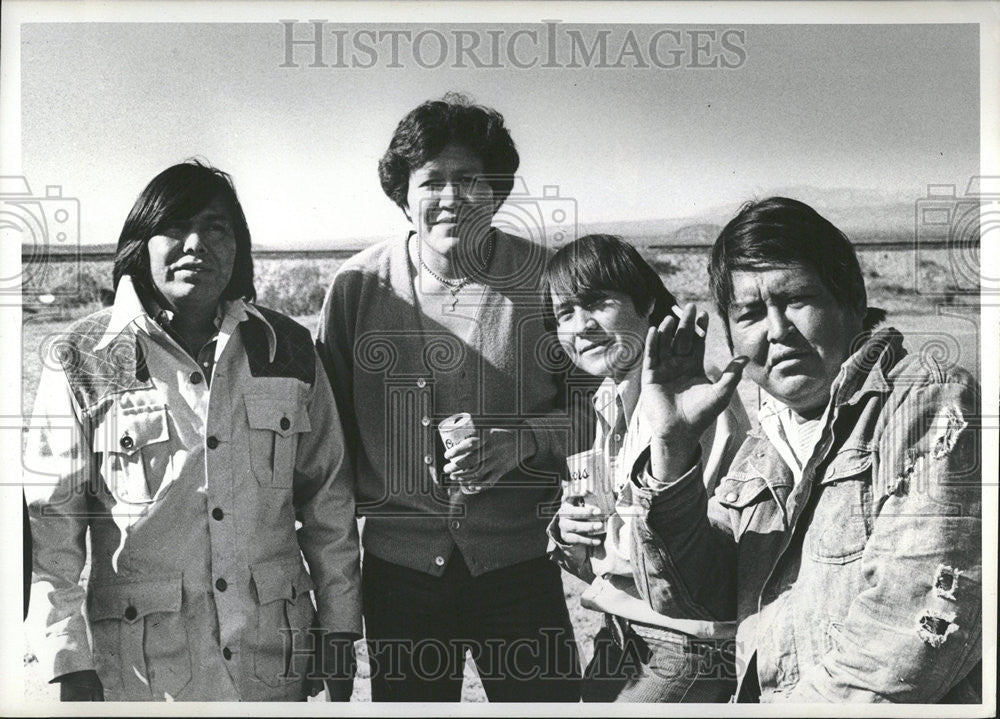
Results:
<point x="726" y="385"/>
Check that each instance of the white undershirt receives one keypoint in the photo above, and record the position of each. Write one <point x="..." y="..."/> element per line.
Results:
<point x="794" y="438"/>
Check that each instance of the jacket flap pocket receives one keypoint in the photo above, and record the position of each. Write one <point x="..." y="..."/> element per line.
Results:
<point x="846" y="463"/>
<point x="131" y="601"/>
<point x="285" y="578"/>
<point x="277" y="414"/>
<point x="126" y="431"/>
<point x="738" y="492"/>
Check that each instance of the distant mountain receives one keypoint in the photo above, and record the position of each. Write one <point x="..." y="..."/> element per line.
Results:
<point x="28" y="249"/>
<point x="66" y="249"/>
<point x="864" y="215"/>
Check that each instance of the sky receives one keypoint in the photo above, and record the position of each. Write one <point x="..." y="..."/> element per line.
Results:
<point x="885" y="109"/>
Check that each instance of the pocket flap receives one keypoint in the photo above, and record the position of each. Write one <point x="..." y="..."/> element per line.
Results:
<point x="285" y="578"/>
<point x="277" y="414"/>
<point x="740" y="492"/>
<point x="847" y="462"/>
<point x="126" y="431"/>
<point x="130" y="601"/>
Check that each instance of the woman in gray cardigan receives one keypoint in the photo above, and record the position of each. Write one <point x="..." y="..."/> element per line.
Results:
<point x="414" y="330"/>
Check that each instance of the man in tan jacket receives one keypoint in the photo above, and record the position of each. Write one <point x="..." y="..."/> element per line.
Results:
<point x="188" y="432"/>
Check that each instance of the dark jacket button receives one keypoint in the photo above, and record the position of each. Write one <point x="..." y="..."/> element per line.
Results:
<point x="212" y="442"/>
<point x="126" y="442"/>
<point x="131" y="613"/>
<point x="217" y="514"/>
<point x="220" y="584"/>
<point x="195" y="378"/>
<point x="227" y="653"/>
<point x="284" y="423"/>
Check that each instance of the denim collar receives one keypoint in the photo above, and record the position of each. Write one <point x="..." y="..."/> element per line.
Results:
<point x="864" y="372"/>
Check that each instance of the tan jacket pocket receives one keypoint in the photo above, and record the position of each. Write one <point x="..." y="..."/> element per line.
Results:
<point x="285" y="616"/>
<point x="140" y="638"/>
<point x="135" y="453"/>
<point x="275" y="426"/>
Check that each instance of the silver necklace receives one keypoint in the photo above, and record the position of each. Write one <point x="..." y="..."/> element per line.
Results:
<point x="455" y="286"/>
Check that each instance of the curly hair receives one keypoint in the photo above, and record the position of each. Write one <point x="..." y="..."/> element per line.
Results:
<point x="428" y="128"/>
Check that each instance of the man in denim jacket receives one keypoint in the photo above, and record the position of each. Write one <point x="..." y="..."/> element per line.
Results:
<point x="846" y="538"/>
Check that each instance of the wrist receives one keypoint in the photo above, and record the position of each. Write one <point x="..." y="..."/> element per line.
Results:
<point x="667" y="463"/>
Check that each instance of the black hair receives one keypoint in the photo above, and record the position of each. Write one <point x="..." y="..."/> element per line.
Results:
<point x="779" y="232"/>
<point x="596" y="264"/>
<point x="429" y="128"/>
<point x="176" y="195"/>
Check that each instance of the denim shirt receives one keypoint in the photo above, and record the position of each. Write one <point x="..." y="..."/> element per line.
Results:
<point x="863" y="581"/>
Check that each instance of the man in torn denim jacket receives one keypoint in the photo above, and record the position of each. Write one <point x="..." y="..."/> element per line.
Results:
<point x="846" y="538"/>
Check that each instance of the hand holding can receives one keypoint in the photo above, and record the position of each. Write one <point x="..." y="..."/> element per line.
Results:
<point x="455" y="429"/>
<point x="587" y="484"/>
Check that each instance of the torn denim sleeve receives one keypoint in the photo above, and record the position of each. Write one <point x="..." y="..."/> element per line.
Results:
<point x="916" y="631"/>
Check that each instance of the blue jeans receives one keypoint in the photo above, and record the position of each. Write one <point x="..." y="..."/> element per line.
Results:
<point x="513" y="620"/>
<point x="640" y="663"/>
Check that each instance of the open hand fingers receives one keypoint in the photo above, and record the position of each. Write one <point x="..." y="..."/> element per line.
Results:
<point x="702" y="324"/>
<point x="658" y="343"/>
<point x="725" y="387"/>
<point x="651" y="353"/>
<point x="685" y="337"/>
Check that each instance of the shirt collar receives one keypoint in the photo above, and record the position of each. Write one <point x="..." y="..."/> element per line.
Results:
<point x="128" y="308"/>
<point x="864" y="371"/>
<point x="627" y="390"/>
<point x="860" y="374"/>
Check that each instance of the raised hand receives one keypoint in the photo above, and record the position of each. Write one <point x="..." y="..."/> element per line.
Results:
<point x="678" y="400"/>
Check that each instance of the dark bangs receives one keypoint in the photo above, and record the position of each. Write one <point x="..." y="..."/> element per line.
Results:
<point x="174" y="196"/>
<point x="594" y="265"/>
